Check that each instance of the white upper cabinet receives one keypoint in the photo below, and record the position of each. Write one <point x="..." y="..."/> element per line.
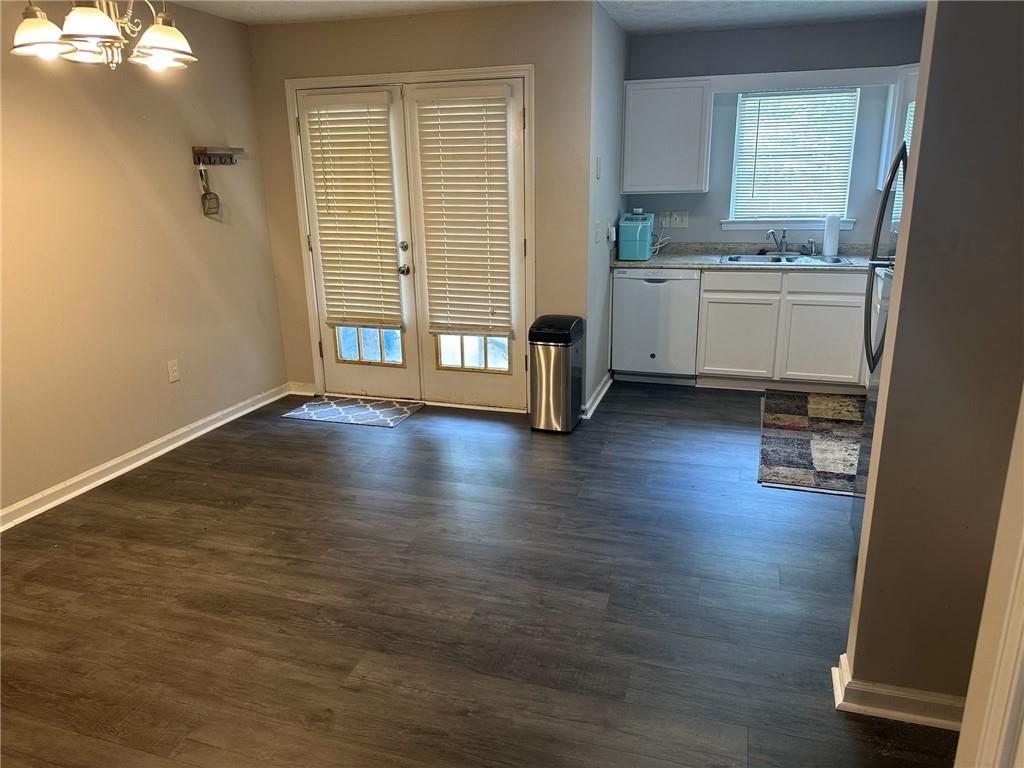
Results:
<point x="667" y="135"/>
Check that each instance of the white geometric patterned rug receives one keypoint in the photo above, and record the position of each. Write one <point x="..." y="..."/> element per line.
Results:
<point x="355" y="410"/>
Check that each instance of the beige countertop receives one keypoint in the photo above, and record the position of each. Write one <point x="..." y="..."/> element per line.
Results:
<point x="714" y="261"/>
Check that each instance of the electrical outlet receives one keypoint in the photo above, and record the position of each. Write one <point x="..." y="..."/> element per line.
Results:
<point x="661" y="220"/>
<point x="611" y="233"/>
<point x="173" y="374"/>
<point x="679" y="220"/>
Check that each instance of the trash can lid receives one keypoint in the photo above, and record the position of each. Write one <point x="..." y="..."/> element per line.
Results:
<point x="557" y="329"/>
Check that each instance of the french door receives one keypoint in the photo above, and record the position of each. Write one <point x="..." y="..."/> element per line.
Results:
<point x="415" y="206"/>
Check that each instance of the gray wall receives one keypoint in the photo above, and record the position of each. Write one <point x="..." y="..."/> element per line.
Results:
<point x="607" y="73"/>
<point x="874" y="43"/>
<point x="951" y="388"/>
<point x="707" y="209"/>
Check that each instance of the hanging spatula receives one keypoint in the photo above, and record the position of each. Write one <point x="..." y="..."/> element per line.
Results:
<point x="210" y="201"/>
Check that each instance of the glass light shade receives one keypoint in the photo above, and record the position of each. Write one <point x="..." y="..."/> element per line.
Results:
<point x="162" y="46"/>
<point x="37" y="36"/>
<point x="90" y="30"/>
<point x="86" y="22"/>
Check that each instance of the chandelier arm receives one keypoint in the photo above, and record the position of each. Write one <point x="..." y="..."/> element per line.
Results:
<point x="129" y="24"/>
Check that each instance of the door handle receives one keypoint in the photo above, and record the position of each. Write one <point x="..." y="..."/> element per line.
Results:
<point x="405" y="269"/>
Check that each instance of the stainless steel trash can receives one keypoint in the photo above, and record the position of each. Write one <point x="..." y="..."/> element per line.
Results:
<point x="556" y="372"/>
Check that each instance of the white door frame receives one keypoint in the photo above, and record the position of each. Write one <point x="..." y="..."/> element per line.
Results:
<point x="292" y="88"/>
<point x="993" y="723"/>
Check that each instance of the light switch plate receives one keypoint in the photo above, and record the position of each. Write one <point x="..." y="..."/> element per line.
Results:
<point x="173" y="374"/>
<point x="679" y="220"/>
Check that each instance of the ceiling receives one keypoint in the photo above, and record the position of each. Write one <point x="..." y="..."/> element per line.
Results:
<point x="291" y="11"/>
<point x="637" y="16"/>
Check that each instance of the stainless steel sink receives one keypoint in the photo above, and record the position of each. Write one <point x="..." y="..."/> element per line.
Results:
<point x="766" y="259"/>
<point x="784" y="258"/>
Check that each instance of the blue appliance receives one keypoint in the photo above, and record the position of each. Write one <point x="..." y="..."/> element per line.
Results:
<point x="635" y="236"/>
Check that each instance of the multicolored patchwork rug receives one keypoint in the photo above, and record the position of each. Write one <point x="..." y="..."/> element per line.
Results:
<point x="356" y="410"/>
<point x="810" y="440"/>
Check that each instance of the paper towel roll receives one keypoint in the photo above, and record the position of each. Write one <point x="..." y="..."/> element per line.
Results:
<point x="830" y="242"/>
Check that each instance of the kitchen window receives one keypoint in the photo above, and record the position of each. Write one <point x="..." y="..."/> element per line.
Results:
<point x="908" y="129"/>
<point x="793" y="155"/>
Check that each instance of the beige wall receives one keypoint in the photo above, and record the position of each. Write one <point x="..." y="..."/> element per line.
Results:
<point x="608" y="71"/>
<point x="109" y="267"/>
<point x="554" y="37"/>
<point x="951" y="386"/>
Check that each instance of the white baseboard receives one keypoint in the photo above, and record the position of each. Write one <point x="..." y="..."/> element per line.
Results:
<point x="29" y="507"/>
<point x="597" y="397"/>
<point x="307" y="388"/>
<point x="909" y="705"/>
<point x="669" y="381"/>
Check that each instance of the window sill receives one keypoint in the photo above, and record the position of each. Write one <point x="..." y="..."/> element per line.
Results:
<point x="809" y="225"/>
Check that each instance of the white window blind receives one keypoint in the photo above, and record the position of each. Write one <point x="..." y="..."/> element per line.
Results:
<point x="793" y="154"/>
<point x="908" y="130"/>
<point x="350" y="161"/>
<point x="463" y="148"/>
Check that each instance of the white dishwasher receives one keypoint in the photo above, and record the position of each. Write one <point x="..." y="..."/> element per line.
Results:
<point x="654" y="320"/>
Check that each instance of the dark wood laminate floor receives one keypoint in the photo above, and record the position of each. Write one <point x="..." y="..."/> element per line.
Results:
<point x="457" y="591"/>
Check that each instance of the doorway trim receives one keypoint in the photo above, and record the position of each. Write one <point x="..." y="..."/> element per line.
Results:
<point x="292" y="88"/>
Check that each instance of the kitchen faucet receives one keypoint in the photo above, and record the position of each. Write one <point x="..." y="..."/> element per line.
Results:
<point x="780" y="245"/>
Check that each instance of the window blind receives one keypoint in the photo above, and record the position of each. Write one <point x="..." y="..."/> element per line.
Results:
<point x="793" y="154"/>
<point x="350" y="160"/>
<point x="463" y="148"/>
<point x="897" y="195"/>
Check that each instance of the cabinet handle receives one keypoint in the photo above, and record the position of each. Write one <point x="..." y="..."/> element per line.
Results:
<point x="655" y="282"/>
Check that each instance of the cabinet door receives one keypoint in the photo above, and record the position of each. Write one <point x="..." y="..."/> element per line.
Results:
<point x="737" y="334"/>
<point x="666" y="136"/>
<point x="820" y="338"/>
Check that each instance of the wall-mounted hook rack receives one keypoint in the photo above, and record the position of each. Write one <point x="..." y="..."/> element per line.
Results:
<point x="216" y="155"/>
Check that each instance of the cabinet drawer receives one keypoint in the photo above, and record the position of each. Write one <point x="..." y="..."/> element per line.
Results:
<point x="720" y="280"/>
<point x="821" y="282"/>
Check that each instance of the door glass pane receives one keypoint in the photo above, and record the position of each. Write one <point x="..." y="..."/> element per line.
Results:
<point x="370" y="340"/>
<point x="450" y="350"/>
<point x="348" y="347"/>
<point x="497" y="353"/>
<point x="392" y="345"/>
<point x="473" y="349"/>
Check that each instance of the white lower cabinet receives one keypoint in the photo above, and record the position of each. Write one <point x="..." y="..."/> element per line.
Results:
<point x="737" y="334"/>
<point x="786" y="326"/>
<point x="820" y="338"/>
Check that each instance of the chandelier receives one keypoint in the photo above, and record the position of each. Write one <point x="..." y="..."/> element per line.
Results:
<point x="94" y="33"/>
